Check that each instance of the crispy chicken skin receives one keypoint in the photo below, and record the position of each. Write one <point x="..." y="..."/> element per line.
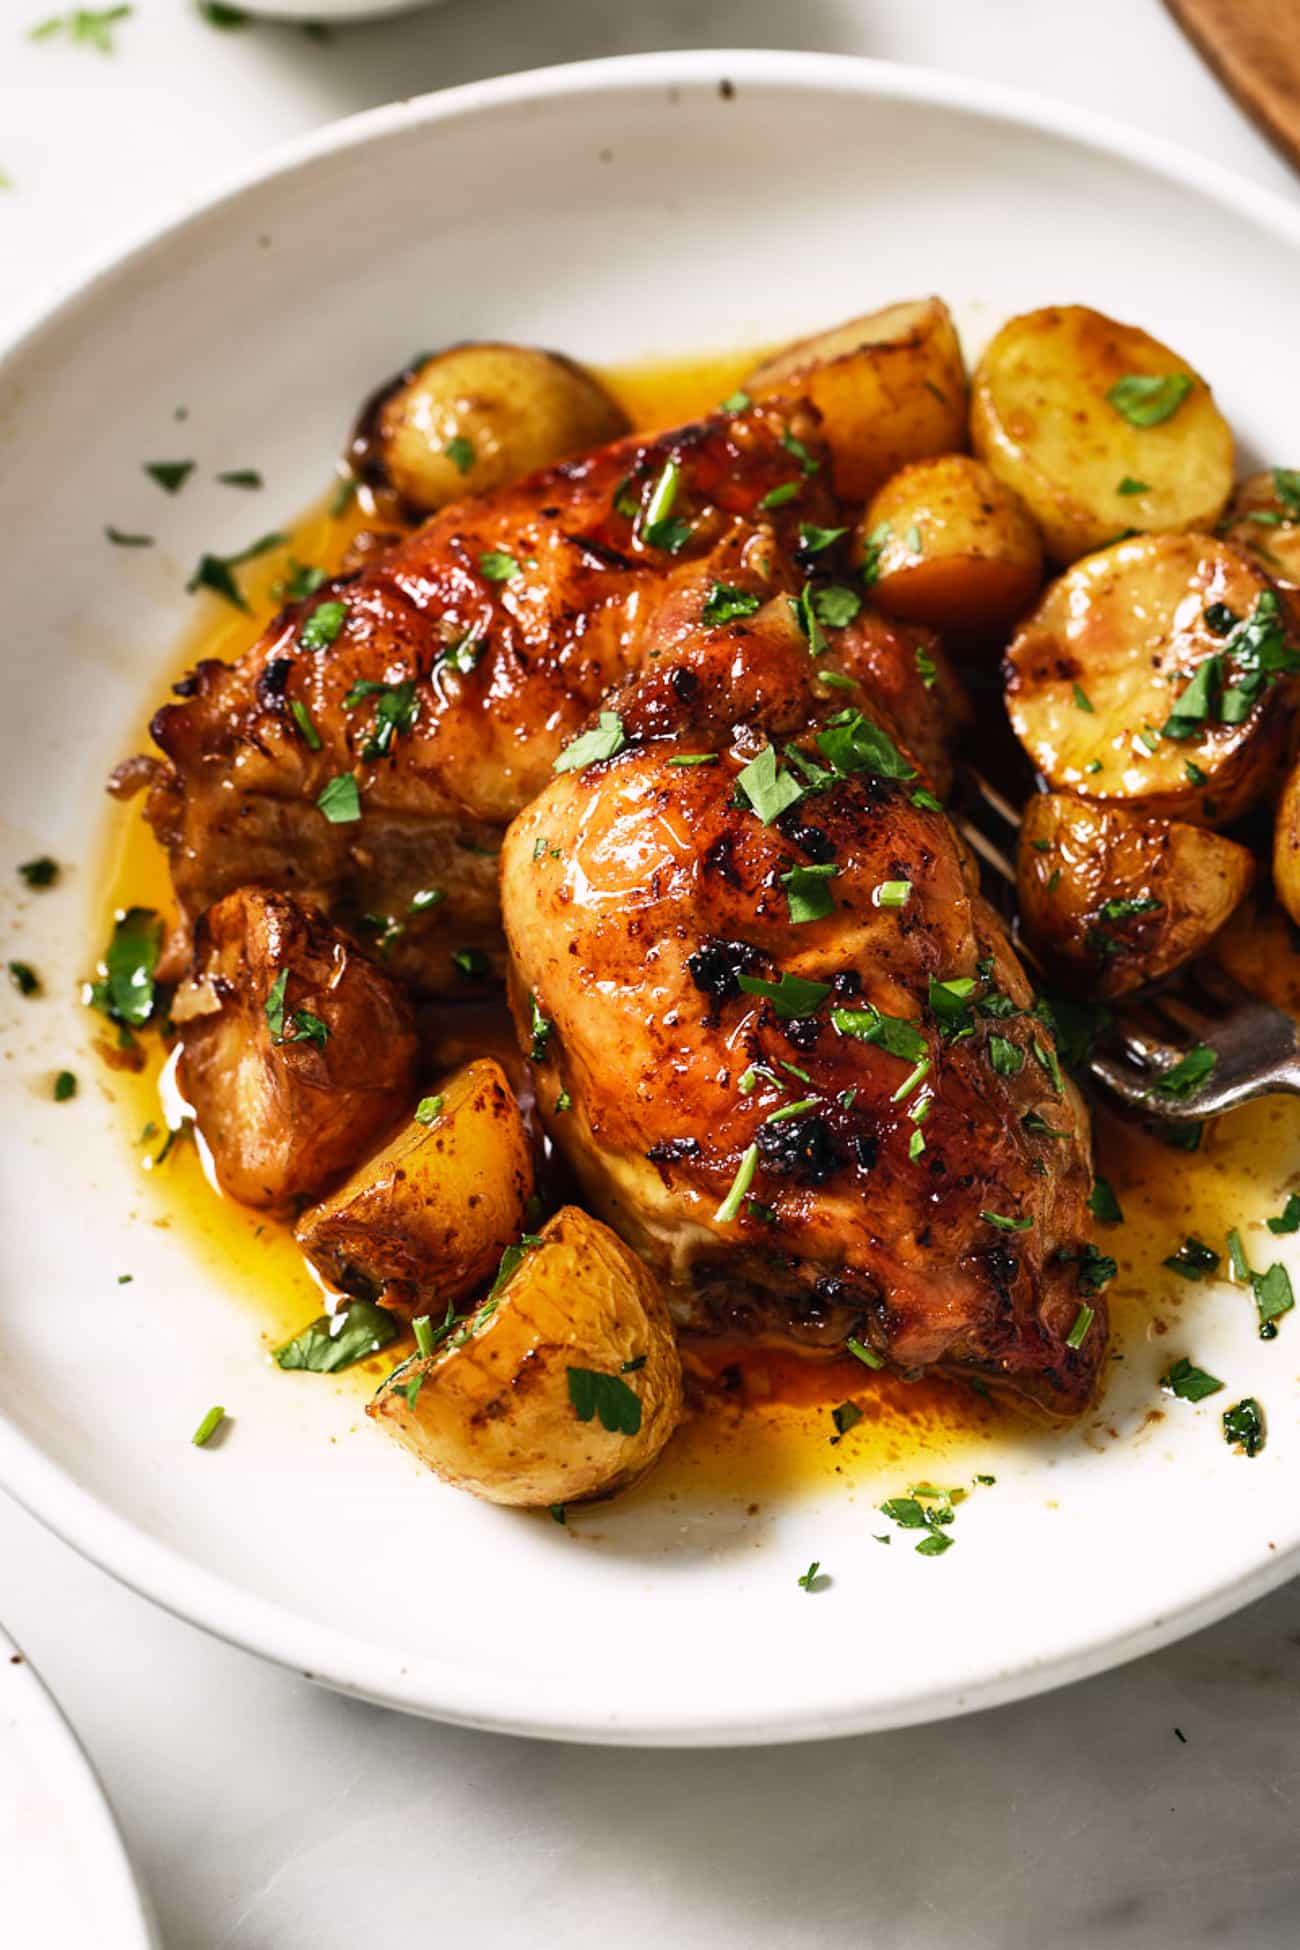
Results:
<point x="290" y="1083"/>
<point x="509" y="616"/>
<point x="655" y="894"/>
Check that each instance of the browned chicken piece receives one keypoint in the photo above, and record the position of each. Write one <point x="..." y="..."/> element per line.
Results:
<point x="439" y="682"/>
<point x="790" y="1050"/>
<point x="297" y="1054"/>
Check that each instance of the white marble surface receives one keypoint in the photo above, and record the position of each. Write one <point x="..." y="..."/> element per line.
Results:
<point x="268" y="1815"/>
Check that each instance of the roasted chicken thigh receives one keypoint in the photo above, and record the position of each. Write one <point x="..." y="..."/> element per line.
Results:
<point x="439" y="682"/>
<point x="783" y="1042"/>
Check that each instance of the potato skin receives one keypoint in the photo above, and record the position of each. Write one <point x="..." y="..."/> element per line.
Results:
<point x="952" y="548"/>
<point x="1286" y="844"/>
<point x="494" y="1415"/>
<point x="1127" y="627"/>
<point x="890" y="387"/>
<point x="1080" y="865"/>
<point x="1274" y="542"/>
<point x="428" y="1217"/>
<point x="283" y="1118"/>
<point x="1041" y="420"/>
<point x="516" y="407"/>
<point x="1261" y="950"/>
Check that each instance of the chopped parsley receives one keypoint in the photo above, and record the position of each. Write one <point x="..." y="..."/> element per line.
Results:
<point x="660" y="530"/>
<point x="65" y="1086"/>
<point x="835" y="605"/>
<point x="496" y="566"/>
<point x="895" y="1034"/>
<point x="302" y="1027"/>
<point x="726" y="602"/>
<point x="737" y="402"/>
<point x="808" y="893"/>
<point x="428" y="1110"/>
<point x="1288" y="1220"/>
<point x="606" y="1396"/>
<point x="769" y="791"/>
<point x="1243" y="1426"/>
<point x="928" y="1508"/>
<point x="813" y="1579"/>
<point x="790" y="995"/>
<point x="1129" y="486"/>
<point x="795" y="446"/>
<point x="603" y="740"/>
<point x="303" y="719"/>
<point x="1007" y="1058"/>
<point x="891" y="893"/>
<point x="472" y="963"/>
<point x="845" y="1416"/>
<point x="1189" y="1383"/>
<point x="326" y="1346"/>
<point x="861" y="1352"/>
<point x="812" y="539"/>
<point x="926" y="668"/>
<point x="852" y="743"/>
<point x="120" y="539"/>
<point x="1004" y="1224"/>
<point x="171" y="475"/>
<point x="1104" y="1205"/>
<point x="214" y="571"/>
<point x="1193" y="1261"/>
<point x="1188" y="1074"/>
<point x="871" y="552"/>
<point x="340" y="800"/>
<point x="460" y="452"/>
<point x="24" y="978"/>
<point x="396" y="706"/>
<point x="1273" y="1296"/>
<point x="127" y="993"/>
<point x="1148" y="399"/>
<point x="540" y="1030"/>
<point x="777" y="497"/>
<point x="1081" y="699"/>
<point x="320" y="629"/>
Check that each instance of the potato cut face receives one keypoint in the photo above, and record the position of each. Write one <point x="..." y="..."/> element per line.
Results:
<point x="946" y="544"/>
<point x="1286" y="845"/>
<point x="890" y="387"/>
<point x="1111" y="900"/>
<point x="1068" y="409"/>
<point x="475" y="417"/>
<point x="428" y="1217"/>
<point x="1263" y="518"/>
<point x="1157" y="674"/>
<point x="565" y="1383"/>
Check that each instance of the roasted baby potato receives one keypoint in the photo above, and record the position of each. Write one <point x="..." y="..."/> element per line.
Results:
<point x="1110" y="900"/>
<point x="428" y="1217"/>
<point x="564" y="1384"/>
<point x="1099" y="428"/>
<point x="1264" y="518"/>
<point x="1157" y="675"/>
<point x="890" y="387"/>
<point x="944" y="543"/>
<point x="1261" y="950"/>
<point x="477" y="416"/>
<point x="297" y="1054"/>
<point x="1286" y="844"/>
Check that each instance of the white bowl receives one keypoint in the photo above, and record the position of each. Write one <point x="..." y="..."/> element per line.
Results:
<point x="617" y="210"/>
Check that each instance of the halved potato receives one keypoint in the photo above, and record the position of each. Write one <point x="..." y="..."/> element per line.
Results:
<point x="944" y="543"/>
<point x="1261" y="950"/>
<point x="1057" y="416"/>
<point x="476" y="416"/>
<point x="890" y="387"/>
<point x="428" y="1217"/>
<point x="1286" y="845"/>
<point x="297" y="1053"/>
<point x="1263" y="517"/>
<point x="1111" y="899"/>
<point x="565" y="1384"/>
<point x="1126" y="682"/>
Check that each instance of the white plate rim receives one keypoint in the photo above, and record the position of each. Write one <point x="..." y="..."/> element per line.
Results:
<point x="81" y="1793"/>
<point x="350" y="1665"/>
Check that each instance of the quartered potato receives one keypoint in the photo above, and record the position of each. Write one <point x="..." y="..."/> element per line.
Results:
<point x="1263" y="517"/>
<point x="477" y="416"/>
<point x="1111" y="899"/>
<point x="944" y="543"/>
<point x="427" y="1218"/>
<point x="564" y="1384"/>
<point x="1157" y="675"/>
<point x="890" y="387"/>
<point x="1099" y="428"/>
<point x="297" y="1054"/>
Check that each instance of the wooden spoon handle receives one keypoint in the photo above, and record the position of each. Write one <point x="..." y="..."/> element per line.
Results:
<point x="1253" y="46"/>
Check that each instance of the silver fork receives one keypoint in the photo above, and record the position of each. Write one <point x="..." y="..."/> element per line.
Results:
<point x="1255" y="1047"/>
